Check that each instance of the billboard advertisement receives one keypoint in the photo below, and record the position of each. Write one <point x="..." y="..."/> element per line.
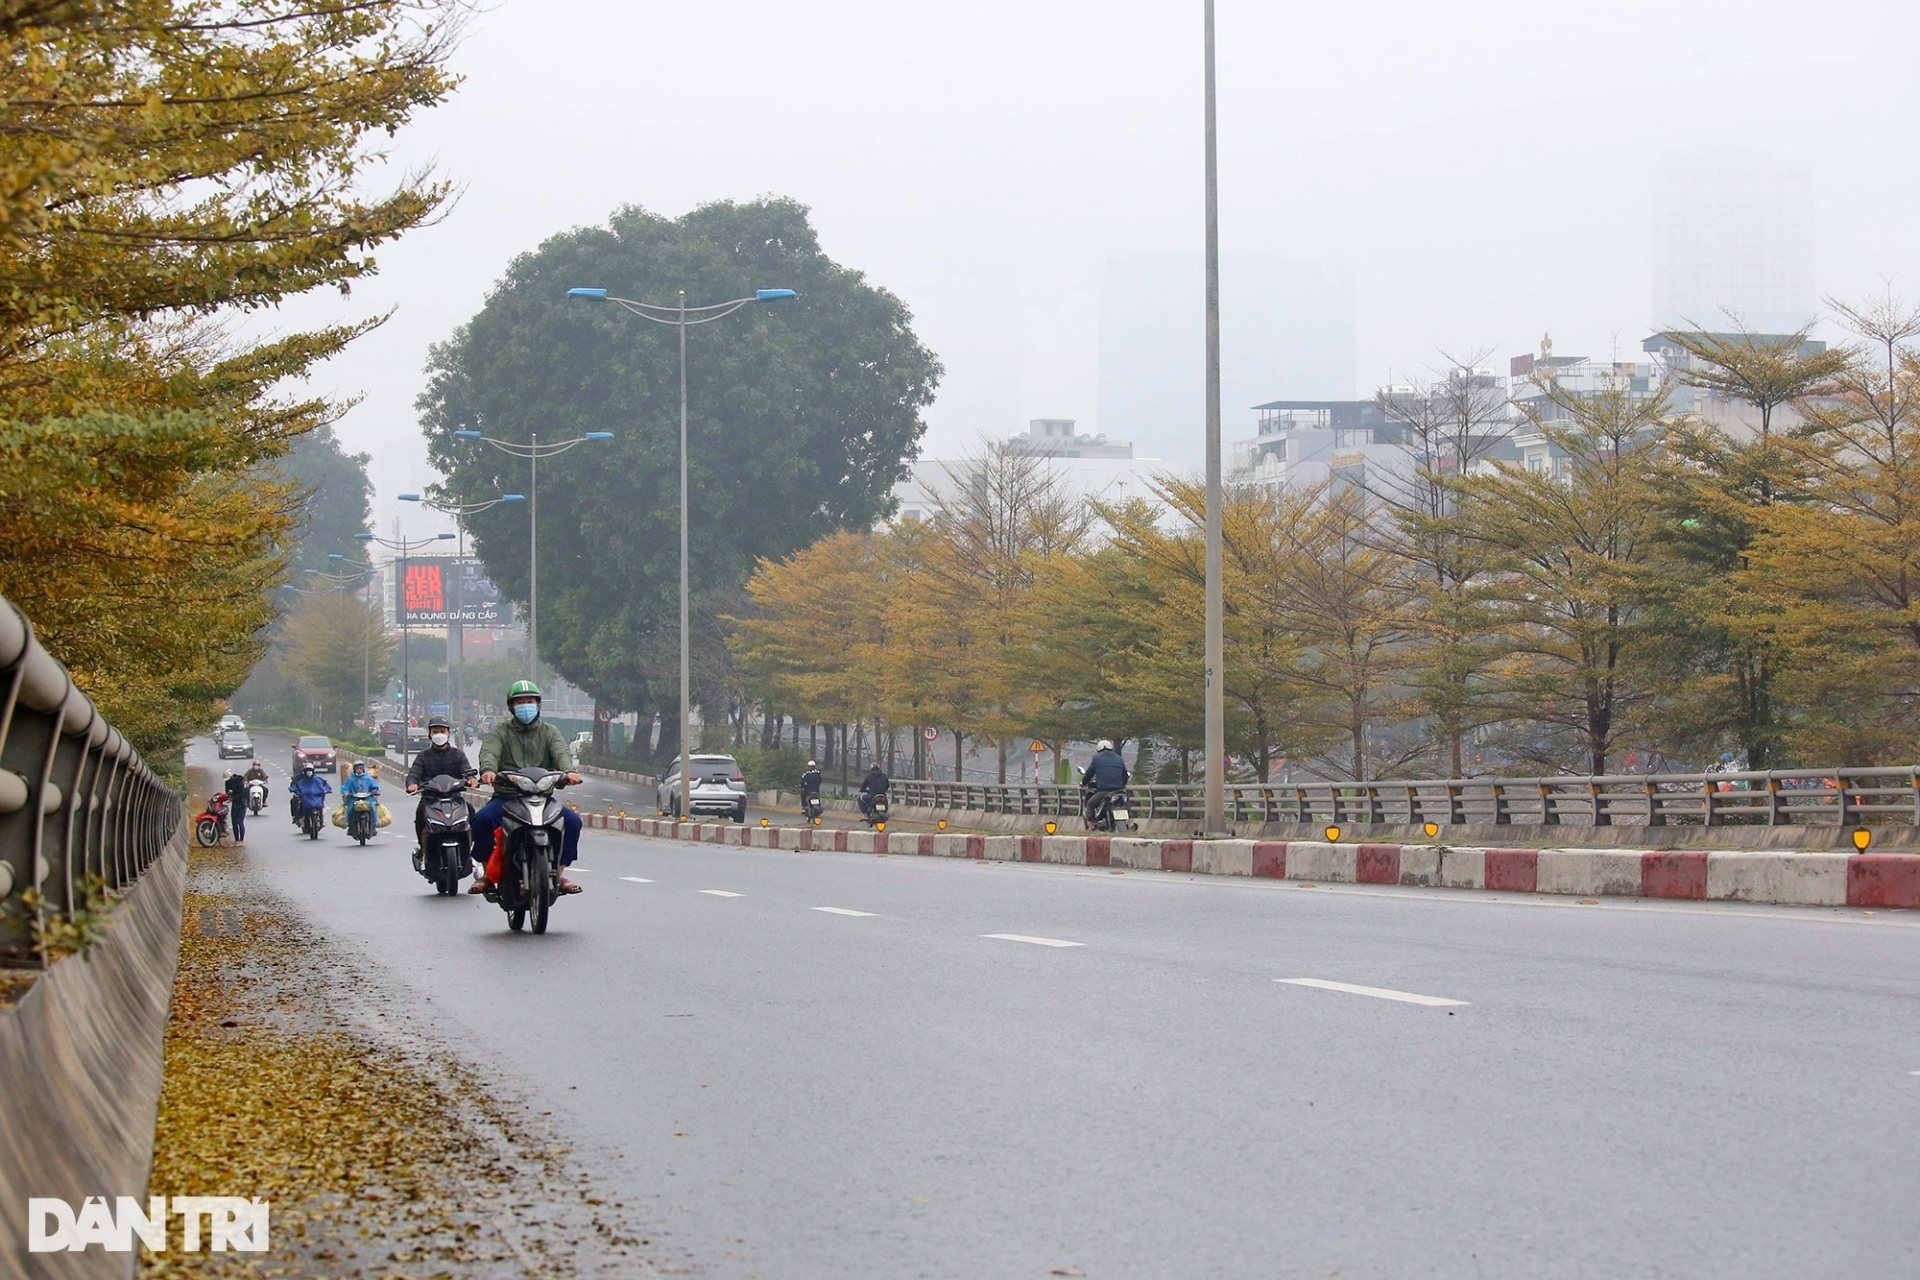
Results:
<point x="437" y="590"/>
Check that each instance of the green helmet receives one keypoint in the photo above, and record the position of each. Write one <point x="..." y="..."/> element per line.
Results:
<point x="521" y="688"/>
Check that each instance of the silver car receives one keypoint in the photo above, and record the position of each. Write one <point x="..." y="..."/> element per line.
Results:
<point x="718" y="788"/>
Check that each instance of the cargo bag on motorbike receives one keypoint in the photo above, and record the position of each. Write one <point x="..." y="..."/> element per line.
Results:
<point x="386" y="817"/>
<point x="339" y="818"/>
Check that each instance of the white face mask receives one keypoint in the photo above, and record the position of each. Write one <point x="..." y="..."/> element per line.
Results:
<point x="439" y="739"/>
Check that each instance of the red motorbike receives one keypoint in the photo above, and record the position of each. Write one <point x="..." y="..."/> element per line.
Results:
<point x="211" y="825"/>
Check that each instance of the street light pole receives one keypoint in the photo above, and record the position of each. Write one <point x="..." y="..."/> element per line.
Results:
<point x="533" y="451"/>
<point x="678" y="316"/>
<point x="533" y="555"/>
<point x="1216" y="732"/>
<point x="686" y="647"/>
<point x="456" y="629"/>
<point x="404" y="547"/>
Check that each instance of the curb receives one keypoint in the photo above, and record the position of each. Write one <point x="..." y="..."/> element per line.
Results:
<point x="1778" y="877"/>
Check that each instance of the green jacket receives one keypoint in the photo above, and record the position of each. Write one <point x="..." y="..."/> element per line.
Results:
<point x="512" y="745"/>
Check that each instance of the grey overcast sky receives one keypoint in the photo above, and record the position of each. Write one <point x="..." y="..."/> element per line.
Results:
<point x="1482" y="166"/>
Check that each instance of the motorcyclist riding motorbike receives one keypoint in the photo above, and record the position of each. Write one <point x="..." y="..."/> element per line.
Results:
<point x="441" y="756"/>
<point x="809" y="786"/>
<point x="310" y="791"/>
<point x="523" y="740"/>
<point x="360" y="783"/>
<point x="1106" y="774"/>
<point x="256" y="773"/>
<point x="874" y="784"/>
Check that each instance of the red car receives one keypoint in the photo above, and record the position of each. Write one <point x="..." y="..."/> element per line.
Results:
<point x="313" y="749"/>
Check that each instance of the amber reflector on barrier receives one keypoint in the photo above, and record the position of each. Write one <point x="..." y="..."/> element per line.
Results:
<point x="1862" y="838"/>
<point x="1052" y="827"/>
<point x="1333" y="834"/>
<point x="1433" y="828"/>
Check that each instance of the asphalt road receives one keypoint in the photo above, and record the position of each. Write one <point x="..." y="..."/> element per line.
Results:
<point x="849" y="1066"/>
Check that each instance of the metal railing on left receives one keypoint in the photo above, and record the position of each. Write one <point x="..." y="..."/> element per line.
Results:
<point x="81" y="814"/>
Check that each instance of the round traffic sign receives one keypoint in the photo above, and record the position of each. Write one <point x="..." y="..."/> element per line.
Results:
<point x="930" y="733"/>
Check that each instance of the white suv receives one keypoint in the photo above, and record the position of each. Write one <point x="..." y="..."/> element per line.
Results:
<point x="718" y="787"/>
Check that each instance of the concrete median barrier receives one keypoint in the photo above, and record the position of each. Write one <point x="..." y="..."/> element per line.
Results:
<point x="1783" y="877"/>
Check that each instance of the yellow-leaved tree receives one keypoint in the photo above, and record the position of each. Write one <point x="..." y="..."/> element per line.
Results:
<point x="163" y="164"/>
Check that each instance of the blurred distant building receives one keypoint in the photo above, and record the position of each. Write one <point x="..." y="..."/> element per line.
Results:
<point x="1282" y="324"/>
<point x="1580" y="377"/>
<point x="1737" y="418"/>
<point x="1055" y="438"/>
<point x="1733" y="233"/>
<point x="1086" y="465"/>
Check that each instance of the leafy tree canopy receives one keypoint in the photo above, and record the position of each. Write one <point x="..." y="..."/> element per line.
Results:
<point x="803" y="415"/>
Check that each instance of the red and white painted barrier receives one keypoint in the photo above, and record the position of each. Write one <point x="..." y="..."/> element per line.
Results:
<point x="1798" y="879"/>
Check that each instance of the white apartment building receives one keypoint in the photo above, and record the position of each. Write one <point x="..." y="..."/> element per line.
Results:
<point x="1733" y="235"/>
<point x="1087" y="465"/>
<point x="1581" y="376"/>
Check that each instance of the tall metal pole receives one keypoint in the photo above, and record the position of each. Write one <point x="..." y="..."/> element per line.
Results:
<point x="686" y="644"/>
<point x="1216" y="603"/>
<point x="533" y="554"/>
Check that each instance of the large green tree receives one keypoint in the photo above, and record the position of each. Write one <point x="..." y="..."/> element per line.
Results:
<point x="804" y="415"/>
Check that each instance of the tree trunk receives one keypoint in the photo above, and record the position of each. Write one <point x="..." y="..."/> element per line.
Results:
<point x="1003" y="760"/>
<point x="959" y="756"/>
<point x="843" y="757"/>
<point x="669" y="740"/>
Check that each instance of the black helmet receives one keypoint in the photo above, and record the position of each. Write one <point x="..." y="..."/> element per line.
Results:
<point x="437" y="722"/>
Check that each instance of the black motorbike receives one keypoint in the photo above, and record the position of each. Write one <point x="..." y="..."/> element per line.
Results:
<point x="873" y="810"/>
<point x="811" y="807"/>
<point x="1107" y="811"/>
<point x="312" y="818"/>
<point x="363" y="816"/>
<point x="445" y="855"/>
<point x="531" y="829"/>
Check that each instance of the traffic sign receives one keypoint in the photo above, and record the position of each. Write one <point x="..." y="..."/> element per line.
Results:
<point x="1036" y="745"/>
<point x="930" y="733"/>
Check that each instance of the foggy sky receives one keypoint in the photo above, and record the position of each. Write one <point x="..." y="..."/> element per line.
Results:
<point x="1482" y="167"/>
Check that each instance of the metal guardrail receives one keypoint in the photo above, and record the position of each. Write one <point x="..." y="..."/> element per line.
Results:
<point x="78" y="806"/>
<point x="1781" y="797"/>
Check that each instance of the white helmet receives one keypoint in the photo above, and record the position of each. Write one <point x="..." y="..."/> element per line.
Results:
<point x="1106" y="744"/>
<point x="812" y="765"/>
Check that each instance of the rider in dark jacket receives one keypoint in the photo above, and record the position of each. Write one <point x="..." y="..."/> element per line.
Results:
<point x="874" y="784"/>
<point x="440" y="757"/>
<point x="1106" y="771"/>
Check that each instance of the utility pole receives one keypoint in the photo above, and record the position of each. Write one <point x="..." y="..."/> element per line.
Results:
<point x="1216" y="728"/>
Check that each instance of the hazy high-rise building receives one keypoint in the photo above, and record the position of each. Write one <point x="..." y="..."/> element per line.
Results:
<point x="1732" y="232"/>
<point x="1286" y="328"/>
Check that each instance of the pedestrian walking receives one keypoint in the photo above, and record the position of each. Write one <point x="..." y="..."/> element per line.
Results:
<point x="237" y="795"/>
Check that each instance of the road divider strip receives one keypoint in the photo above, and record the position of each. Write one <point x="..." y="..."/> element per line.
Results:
<point x="1781" y="877"/>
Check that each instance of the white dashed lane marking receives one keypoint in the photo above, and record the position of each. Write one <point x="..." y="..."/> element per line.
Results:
<point x="635" y="880"/>
<point x="1378" y="993"/>
<point x="722" y="893"/>
<point x="842" y="911"/>
<point x="1038" y="942"/>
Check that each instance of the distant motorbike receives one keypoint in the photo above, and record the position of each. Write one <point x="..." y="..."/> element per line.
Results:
<point x="212" y="824"/>
<point x="363" y="817"/>
<point x="1108" y="811"/>
<point x="531" y="829"/>
<point x="445" y="855"/>
<point x="256" y="795"/>
<point x="873" y="811"/>
<point x="811" y="807"/>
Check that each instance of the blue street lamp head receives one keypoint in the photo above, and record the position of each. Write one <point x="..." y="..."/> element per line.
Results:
<point x="467" y="435"/>
<point x="773" y="295"/>
<point x="513" y="497"/>
<point x="590" y="295"/>
<point x="443" y="537"/>
<point x="599" y="435"/>
<point x="409" y="497"/>
<point x="363" y="537"/>
<point x="335" y="555"/>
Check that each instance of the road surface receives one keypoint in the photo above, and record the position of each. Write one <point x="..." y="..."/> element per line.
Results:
<point x="854" y="1066"/>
